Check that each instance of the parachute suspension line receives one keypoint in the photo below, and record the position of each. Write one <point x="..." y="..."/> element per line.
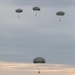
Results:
<point x="60" y="19"/>
<point x="18" y="16"/>
<point x="38" y="70"/>
<point x="35" y="14"/>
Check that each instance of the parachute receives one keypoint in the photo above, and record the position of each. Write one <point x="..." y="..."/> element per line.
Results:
<point x="36" y="9"/>
<point x="60" y="13"/>
<point x="18" y="11"/>
<point x="39" y="60"/>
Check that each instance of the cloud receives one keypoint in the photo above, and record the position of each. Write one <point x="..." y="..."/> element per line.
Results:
<point x="7" y="68"/>
<point x="53" y="3"/>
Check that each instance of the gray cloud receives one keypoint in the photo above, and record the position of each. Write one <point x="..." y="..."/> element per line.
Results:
<point x="53" y="3"/>
<point x="7" y="68"/>
<point x="27" y="37"/>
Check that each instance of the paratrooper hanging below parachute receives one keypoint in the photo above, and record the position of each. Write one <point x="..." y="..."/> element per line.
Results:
<point x="36" y="9"/>
<point x="39" y="60"/>
<point x="60" y="13"/>
<point x="18" y="11"/>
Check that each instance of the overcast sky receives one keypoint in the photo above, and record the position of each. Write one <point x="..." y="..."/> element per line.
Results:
<point x="25" y="38"/>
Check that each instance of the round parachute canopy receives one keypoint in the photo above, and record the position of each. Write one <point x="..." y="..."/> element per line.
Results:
<point x="39" y="60"/>
<point x="60" y="13"/>
<point x="36" y="8"/>
<point x="19" y="10"/>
